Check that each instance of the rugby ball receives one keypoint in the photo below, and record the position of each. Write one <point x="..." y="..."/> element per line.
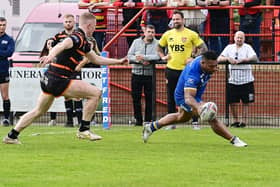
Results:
<point x="208" y="111"/>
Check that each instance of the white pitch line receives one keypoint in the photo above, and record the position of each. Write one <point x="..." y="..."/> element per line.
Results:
<point x="52" y="133"/>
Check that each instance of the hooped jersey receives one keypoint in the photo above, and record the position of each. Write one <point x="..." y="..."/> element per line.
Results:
<point x="67" y="60"/>
<point x="100" y="14"/>
<point x="59" y="37"/>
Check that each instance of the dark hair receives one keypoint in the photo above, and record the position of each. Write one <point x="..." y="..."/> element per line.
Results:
<point x="2" y="19"/>
<point x="150" y="27"/>
<point x="45" y="51"/>
<point x="210" y="55"/>
<point x="178" y="12"/>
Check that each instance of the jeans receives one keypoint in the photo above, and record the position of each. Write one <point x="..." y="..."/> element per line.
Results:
<point x="252" y="29"/>
<point x="219" y="25"/>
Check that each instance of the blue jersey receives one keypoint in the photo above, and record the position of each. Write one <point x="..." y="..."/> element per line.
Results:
<point x="191" y="77"/>
<point x="7" y="48"/>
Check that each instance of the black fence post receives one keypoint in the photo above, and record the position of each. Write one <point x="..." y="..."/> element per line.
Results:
<point x="154" y="93"/>
<point x="227" y="103"/>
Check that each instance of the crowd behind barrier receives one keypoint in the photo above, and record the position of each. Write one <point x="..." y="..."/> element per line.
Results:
<point x="269" y="30"/>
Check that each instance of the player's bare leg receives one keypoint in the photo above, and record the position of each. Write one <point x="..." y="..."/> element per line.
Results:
<point x="43" y="104"/>
<point x="82" y="89"/>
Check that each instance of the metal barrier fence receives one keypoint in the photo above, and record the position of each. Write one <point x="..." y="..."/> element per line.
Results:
<point x="264" y="112"/>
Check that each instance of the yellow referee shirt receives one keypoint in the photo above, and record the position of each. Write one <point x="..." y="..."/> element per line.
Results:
<point x="180" y="46"/>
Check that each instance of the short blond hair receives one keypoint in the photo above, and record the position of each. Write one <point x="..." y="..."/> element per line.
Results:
<point x="85" y="17"/>
<point x="69" y="16"/>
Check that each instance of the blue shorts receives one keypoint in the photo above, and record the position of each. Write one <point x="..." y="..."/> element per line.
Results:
<point x="186" y="107"/>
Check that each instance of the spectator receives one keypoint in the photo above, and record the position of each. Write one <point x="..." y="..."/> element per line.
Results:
<point x="128" y="14"/>
<point x="56" y="80"/>
<point x="45" y="51"/>
<point x="157" y="18"/>
<point x="189" y="91"/>
<point x="241" y="80"/>
<point x="194" y="19"/>
<point x="276" y="12"/>
<point x="181" y="43"/>
<point x="7" y="48"/>
<point x="73" y="107"/>
<point x="250" y="22"/>
<point x="219" y="23"/>
<point x="142" y="51"/>
<point x="101" y="18"/>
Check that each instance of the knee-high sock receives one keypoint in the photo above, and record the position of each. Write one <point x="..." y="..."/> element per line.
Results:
<point x="78" y="105"/>
<point x="69" y="110"/>
<point x="7" y="108"/>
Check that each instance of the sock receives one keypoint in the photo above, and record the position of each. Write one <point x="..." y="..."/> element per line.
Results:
<point x="13" y="134"/>
<point x="232" y="139"/>
<point x="53" y="115"/>
<point x="78" y="105"/>
<point x="7" y="108"/>
<point x="194" y="119"/>
<point x="85" y="125"/>
<point x="155" y="126"/>
<point x="69" y="110"/>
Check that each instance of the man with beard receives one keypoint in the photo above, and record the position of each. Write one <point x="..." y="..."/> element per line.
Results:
<point x="57" y="80"/>
<point x="70" y="105"/>
<point x="183" y="44"/>
<point x="188" y="94"/>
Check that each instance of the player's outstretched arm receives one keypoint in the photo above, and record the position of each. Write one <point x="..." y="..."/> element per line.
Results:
<point x="105" y="61"/>
<point x="57" y="49"/>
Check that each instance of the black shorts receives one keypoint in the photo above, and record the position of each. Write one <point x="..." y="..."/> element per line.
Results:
<point x="76" y="75"/>
<point x="54" y="85"/>
<point x="244" y="92"/>
<point x="4" y="79"/>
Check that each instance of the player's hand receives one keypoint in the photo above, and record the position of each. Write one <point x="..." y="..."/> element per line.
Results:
<point x="45" y="60"/>
<point x="124" y="61"/>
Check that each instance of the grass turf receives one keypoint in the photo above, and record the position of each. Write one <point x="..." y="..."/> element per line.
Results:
<point x="181" y="157"/>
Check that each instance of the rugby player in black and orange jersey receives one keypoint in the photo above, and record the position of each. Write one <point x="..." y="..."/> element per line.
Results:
<point x="56" y="81"/>
<point x="70" y="105"/>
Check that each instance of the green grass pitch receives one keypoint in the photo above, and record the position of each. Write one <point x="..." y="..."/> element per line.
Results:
<point x="181" y="157"/>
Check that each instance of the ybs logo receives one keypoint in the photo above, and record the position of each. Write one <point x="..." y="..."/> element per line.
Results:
<point x="179" y="48"/>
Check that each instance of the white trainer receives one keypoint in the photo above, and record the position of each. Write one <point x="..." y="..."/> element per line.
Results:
<point x="237" y="142"/>
<point x="146" y="132"/>
<point x="88" y="135"/>
<point x="195" y="126"/>
<point x="8" y="140"/>
<point x="52" y="122"/>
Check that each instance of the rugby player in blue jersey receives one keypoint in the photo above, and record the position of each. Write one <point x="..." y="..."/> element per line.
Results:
<point x="188" y="92"/>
